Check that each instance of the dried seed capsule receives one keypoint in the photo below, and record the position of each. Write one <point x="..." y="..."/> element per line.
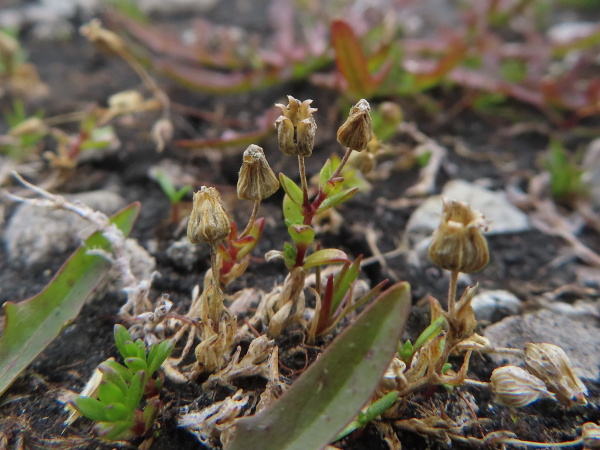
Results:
<point x="515" y="387"/>
<point x="208" y="221"/>
<point x="458" y="243"/>
<point x="590" y="432"/>
<point x="357" y="131"/>
<point x="551" y="364"/>
<point x="256" y="180"/>
<point x="296" y="127"/>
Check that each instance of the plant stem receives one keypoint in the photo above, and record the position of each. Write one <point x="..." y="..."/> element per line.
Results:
<point x="452" y="292"/>
<point x="343" y="162"/>
<point x="213" y="265"/>
<point x="252" y="219"/>
<point x="302" y="169"/>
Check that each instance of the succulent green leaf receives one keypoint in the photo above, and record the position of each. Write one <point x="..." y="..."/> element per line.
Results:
<point x="91" y="408"/>
<point x="302" y="234"/>
<point x="289" y="254"/>
<point x="136" y="364"/>
<point x="118" y="411"/>
<point x="141" y="349"/>
<point x="122" y="341"/>
<point x="429" y="333"/>
<point x="336" y="386"/>
<point x="150" y="412"/>
<point x="333" y="186"/>
<point x="337" y="199"/>
<point x="115" y="431"/>
<point x="343" y="281"/>
<point x="32" y="324"/>
<point x="158" y="354"/>
<point x="115" y="377"/>
<point x="109" y="392"/>
<point x="136" y="390"/>
<point x="291" y="189"/>
<point x="325" y="256"/>
<point x="292" y="212"/>
<point x="111" y="365"/>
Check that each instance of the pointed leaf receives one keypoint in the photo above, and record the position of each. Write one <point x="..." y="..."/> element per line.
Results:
<point x="331" y="392"/>
<point x="109" y="392"/>
<point x="123" y="341"/>
<point x="302" y="234"/>
<point x="117" y="411"/>
<point x="292" y="189"/>
<point x="337" y="199"/>
<point x="115" y="377"/>
<point x="33" y="323"/>
<point x="136" y="364"/>
<point x="115" y="431"/>
<point x="90" y="407"/>
<point x="136" y="391"/>
<point x="158" y="354"/>
<point x="325" y="256"/>
<point x="292" y="212"/>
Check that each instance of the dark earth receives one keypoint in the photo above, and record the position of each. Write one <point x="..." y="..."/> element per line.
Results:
<point x="77" y="74"/>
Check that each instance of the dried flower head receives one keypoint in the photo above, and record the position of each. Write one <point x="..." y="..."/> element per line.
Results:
<point x="357" y="130"/>
<point x="208" y="220"/>
<point x="458" y="243"/>
<point x="590" y="432"/>
<point x="256" y="180"/>
<point x="296" y="127"/>
<point x="551" y="364"/>
<point x="515" y="387"/>
<point x="103" y="38"/>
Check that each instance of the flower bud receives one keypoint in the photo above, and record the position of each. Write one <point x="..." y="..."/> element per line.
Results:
<point x="357" y="131"/>
<point x="208" y="221"/>
<point x="515" y="387"/>
<point x="256" y="180"/>
<point x="296" y="128"/>
<point x="551" y="364"/>
<point x="458" y="243"/>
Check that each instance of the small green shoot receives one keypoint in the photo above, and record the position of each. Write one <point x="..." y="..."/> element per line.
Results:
<point x="565" y="175"/>
<point x="123" y="387"/>
<point x="174" y="195"/>
<point x="373" y="411"/>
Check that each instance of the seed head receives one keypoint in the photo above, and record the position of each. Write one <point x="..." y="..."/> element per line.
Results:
<point x="458" y="243"/>
<point x="296" y="127"/>
<point x="590" y="432"/>
<point x="357" y="130"/>
<point x="515" y="387"/>
<point x="256" y="180"/>
<point x="551" y="364"/>
<point x="208" y="221"/>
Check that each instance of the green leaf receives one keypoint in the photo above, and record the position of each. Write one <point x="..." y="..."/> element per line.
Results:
<point x="136" y="364"/>
<point x="429" y="333"/>
<point x="119" y="378"/>
<point x="289" y="253"/>
<point x="325" y="256"/>
<point x="123" y="341"/>
<point x="91" y="408"/>
<point x="302" y="234"/>
<point x="337" y="199"/>
<point x="292" y="189"/>
<point x="109" y="392"/>
<point x="292" y="212"/>
<point x="335" y="387"/>
<point x="32" y="324"/>
<point x="158" y="354"/>
<point x="325" y="173"/>
<point x="372" y="412"/>
<point x="118" y="411"/>
<point x="343" y="281"/>
<point x="115" y="431"/>
<point x="333" y="187"/>
<point x="136" y="390"/>
<point x="150" y="412"/>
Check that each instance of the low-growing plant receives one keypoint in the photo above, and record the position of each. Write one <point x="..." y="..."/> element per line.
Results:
<point x="174" y="195"/>
<point x="117" y="410"/>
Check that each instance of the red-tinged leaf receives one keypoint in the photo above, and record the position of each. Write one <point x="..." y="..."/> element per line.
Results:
<point x="326" y="303"/>
<point x="325" y="256"/>
<point x="32" y="324"/>
<point x="351" y="61"/>
<point x="235" y="139"/>
<point x="455" y="54"/>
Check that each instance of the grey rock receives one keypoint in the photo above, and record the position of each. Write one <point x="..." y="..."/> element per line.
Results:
<point x="501" y="215"/>
<point x="491" y="306"/>
<point x="185" y="255"/>
<point x="591" y="176"/>
<point x="34" y="234"/>
<point x="580" y="339"/>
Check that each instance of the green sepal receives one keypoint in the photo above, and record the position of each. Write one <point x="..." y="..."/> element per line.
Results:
<point x="292" y="212"/>
<point x="157" y="355"/>
<point x="90" y="407"/>
<point x="122" y="338"/>
<point x="302" y="234"/>
<point x="337" y="199"/>
<point x="109" y="366"/>
<point x="325" y="174"/>
<point x="116" y="412"/>
<point x="292" y="189"/>
<point x="136" y="390"/>
<point x="136" y="364"/>
<point x="109" y="392"/>
<point x="289" y="254"/>
<point x="325" y="256"/>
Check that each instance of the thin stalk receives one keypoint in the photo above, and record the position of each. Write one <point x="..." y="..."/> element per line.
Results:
<point x="252" y="219"/>
<point x="214" y="267"/>
<point x="452" y="293"/>
<point x="302" y="169"/>
<point x="343" y="162"/>
<point x="513" y="441"/>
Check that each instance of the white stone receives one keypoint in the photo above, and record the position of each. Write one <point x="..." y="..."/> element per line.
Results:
<point x="501" y="215"/>
<point x="488" y="305"/>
